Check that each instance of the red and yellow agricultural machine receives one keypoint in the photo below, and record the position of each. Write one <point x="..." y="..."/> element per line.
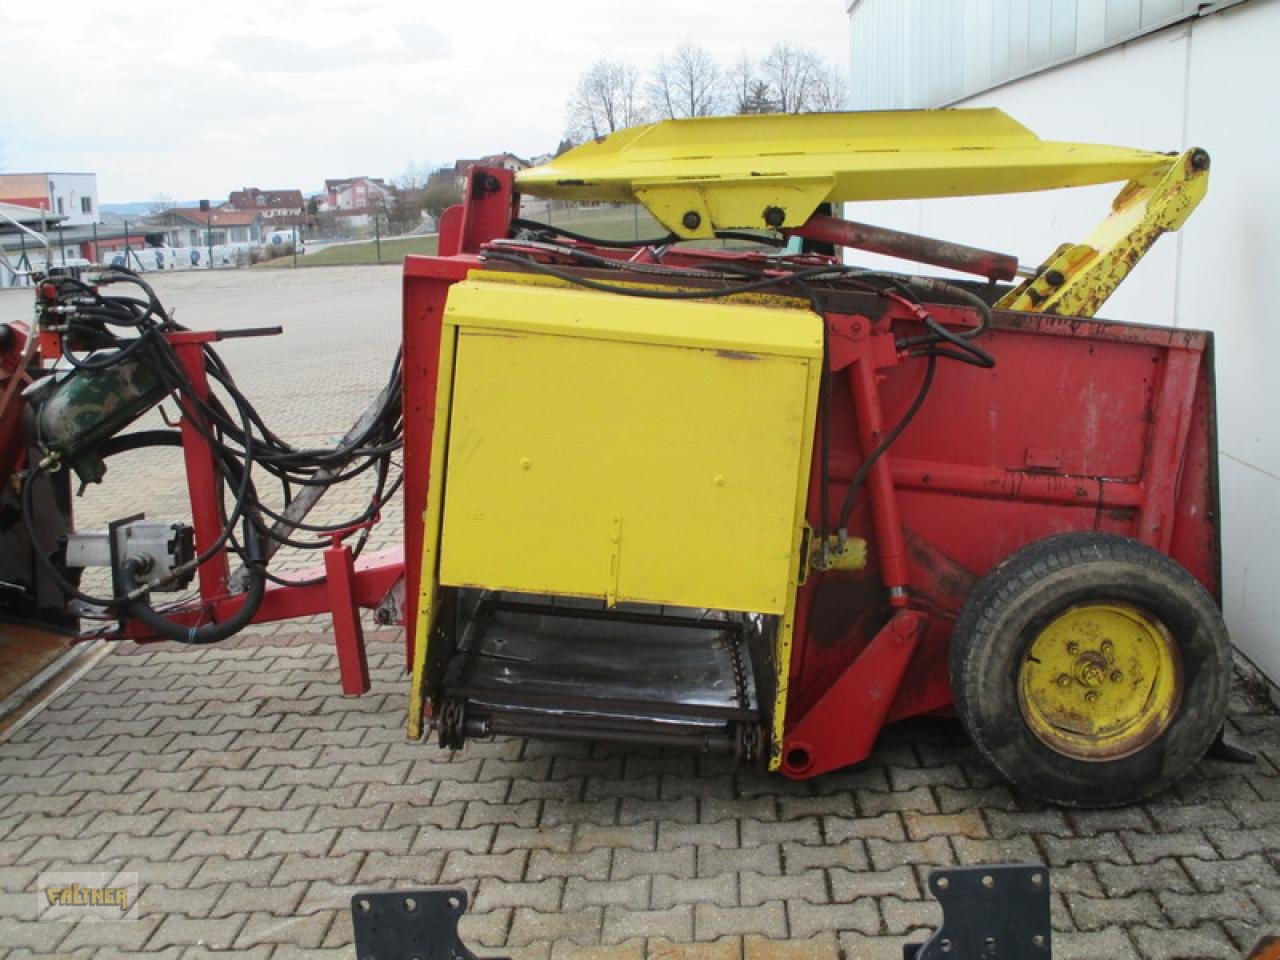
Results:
<point x="719" y="488"/>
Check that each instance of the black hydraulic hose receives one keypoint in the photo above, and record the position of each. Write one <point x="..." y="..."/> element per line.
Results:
<point x="760" y="238"/>
<point x="232" y="433"/>
<point x="157" y="622"/>
<point x="534" y="225"/>
<point x="846" y="507"/>
<point x="61" y="582"/>
<point x="208" y="633"/>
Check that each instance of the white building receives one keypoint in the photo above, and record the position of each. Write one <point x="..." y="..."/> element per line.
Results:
<point x="73" y="196"/>
<point x="1158" y="74"/>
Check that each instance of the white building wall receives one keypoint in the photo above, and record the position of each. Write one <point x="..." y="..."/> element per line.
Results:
<point x="1211" y="82"/>
<point x="69" y="193"/>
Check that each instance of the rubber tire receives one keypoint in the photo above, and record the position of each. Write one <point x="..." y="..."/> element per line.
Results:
<point x="1015" y="601"/>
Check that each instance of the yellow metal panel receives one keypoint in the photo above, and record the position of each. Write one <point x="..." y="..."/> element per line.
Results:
<point x="632" y="451"/>
<point x="534" y="304"/>
<point x="427" y="581"/>
<point x="729" y="170"/>
<point x="1078" y="278"/>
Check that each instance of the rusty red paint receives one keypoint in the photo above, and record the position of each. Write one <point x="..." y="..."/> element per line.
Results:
<point x="908" y="246"/>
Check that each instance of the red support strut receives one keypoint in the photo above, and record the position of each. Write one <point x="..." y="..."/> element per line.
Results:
<point x="348" y="634"/>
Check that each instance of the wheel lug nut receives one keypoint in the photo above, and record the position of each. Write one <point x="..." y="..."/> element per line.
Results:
<point x="1063" y="680"/>
<point x="1073" y="647"/>
<point x="1091" y="696"/>
<point x="1116" y="676"/>
<point x="1107" y="646"/>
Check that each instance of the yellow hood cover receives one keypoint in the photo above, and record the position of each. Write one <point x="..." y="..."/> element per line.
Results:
<point x="721" y="173"/>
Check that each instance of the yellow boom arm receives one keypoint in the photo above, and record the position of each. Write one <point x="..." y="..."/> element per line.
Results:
<point x="722" y="173"/>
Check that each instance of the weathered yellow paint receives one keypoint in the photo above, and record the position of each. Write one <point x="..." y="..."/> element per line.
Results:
<point x="628" y="450"/>
<point x="427" y="580"/>
<point x="782" y="669"/>
<point x="851" y="556"/>
<point x="727" y="171"/>
<point x="1100" y="682"/>
<point x="1078" y="278"/>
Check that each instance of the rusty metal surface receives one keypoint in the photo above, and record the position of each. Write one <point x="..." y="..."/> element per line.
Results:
<point x="908" y="246"/>
<point x="25" y="650"/>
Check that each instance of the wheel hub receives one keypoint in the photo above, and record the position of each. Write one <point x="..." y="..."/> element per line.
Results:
<point x="1100" y="681"/>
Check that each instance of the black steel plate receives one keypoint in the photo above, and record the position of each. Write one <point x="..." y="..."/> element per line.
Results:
<point x="995" y="912"/>
<point x="409" y="925"/>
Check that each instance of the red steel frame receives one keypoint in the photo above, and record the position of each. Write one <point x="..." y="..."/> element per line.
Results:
<point x="349" y="584"/>
<point x="1083" y="424"/>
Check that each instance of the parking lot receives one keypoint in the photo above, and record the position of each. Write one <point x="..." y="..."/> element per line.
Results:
<point x="252" y="800"/>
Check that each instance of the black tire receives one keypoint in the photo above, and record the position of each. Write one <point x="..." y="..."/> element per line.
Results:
<point x="1007" y="610"/>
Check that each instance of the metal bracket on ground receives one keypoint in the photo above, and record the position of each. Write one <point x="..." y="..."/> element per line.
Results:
<point x="989" y="913"/>
<point x="409" y="925"/>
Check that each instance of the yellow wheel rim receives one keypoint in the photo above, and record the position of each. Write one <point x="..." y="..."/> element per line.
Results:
<point x="1100" y="682"/>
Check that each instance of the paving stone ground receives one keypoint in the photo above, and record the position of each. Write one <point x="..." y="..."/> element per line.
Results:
<point x="253" y="800"/>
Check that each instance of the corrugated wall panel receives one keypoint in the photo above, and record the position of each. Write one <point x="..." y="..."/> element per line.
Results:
<point x="928" y="53"/>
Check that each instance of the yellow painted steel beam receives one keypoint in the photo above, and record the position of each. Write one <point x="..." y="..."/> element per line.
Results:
<point x="718" y="173"/>
<point x="1079" y="277"/>
<point x="428" y="577"/>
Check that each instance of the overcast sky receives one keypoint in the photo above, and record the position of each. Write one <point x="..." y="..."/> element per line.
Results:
<point x="196" y="99"/>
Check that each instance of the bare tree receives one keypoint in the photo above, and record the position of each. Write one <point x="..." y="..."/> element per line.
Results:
<point x="828" y="90"/>
<point x="789" y="72"/>
<point x="749" y="91"/>
<point x="686" y="85"/>
<point x="160" y="203"/>
<point x="606" y="99"/>
<point x="415" y="176"/>
<point x="792" y="79"/>
<point x="741" y="82"/>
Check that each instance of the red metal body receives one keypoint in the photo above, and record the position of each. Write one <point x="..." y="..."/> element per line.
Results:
<point x="1082" y="425"/>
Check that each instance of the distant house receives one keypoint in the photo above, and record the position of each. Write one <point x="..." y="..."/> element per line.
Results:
<point x="357" y="195"/>
<point x="508" y="161"/>
<point x="280" y="206"/>
<point x="193" y="227"/>
<point x="71" y="196"/>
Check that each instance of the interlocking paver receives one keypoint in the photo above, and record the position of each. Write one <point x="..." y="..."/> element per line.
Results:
<point x="1094" y="913"/>
<point x="711" y="921"/>
<point x="809" y="885"/>
<point x="668" y="891"/>
<point x="583" y="926"/>
<point x="253" y="800"/>
<point x="630" y="894"/>
<point x="594" y="864"/>
<point x="847" y="885"/>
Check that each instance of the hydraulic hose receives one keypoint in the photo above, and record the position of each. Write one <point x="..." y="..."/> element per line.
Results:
<point x="141" y="611"/>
